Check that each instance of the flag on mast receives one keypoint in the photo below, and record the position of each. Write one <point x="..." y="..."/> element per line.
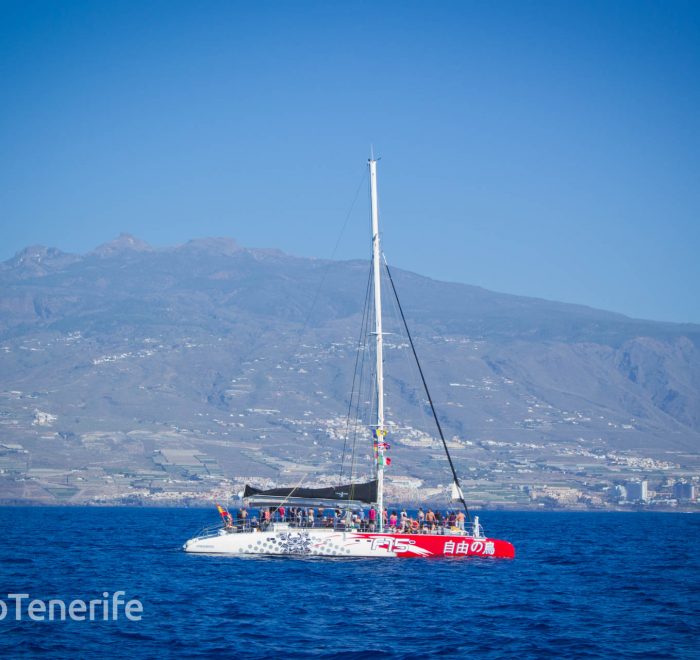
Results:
<point x="457" y="493"/>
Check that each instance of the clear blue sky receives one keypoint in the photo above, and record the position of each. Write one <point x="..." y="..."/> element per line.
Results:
<point x="549" y="149"/>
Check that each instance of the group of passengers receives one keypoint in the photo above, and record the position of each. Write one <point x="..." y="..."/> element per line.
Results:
<point x="424" y="522"/>
<point x="295" y="516"/>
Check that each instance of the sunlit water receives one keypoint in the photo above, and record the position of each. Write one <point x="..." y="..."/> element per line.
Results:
<point x="582" y="585"/>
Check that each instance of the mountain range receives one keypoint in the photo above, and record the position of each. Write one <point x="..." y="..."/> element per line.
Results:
<point x="247" y="356"/>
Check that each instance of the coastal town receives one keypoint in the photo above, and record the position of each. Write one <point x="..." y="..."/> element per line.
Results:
<point x="192" y="467"/>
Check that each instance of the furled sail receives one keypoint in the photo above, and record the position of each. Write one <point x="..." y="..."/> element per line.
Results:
<point x="366" y="492"/>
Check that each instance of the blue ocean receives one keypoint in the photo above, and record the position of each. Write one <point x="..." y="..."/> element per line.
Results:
<point x="583" y="585"/>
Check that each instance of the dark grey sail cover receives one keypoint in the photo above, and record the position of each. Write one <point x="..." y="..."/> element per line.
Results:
<point x="366" y="492"/>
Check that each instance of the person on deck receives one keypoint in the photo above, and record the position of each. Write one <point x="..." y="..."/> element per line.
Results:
<point x="361" y="519"/>
<point x="372" y="515"/>
<point x="460" y="520"/>
<point x="430" y="520"/>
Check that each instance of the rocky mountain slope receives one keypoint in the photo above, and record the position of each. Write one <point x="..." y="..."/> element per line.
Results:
<point x="247" y="356"/>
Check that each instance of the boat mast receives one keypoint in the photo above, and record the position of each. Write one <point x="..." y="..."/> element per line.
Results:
<point x="376" y="263"/>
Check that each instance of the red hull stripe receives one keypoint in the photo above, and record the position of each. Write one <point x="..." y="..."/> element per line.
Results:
<point x="438" y="545"/>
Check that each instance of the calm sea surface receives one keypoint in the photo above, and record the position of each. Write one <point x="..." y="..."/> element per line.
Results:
<point x="583" y="585"/>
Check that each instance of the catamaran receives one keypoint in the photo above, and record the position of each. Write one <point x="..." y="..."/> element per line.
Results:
<point x="359" y="526"/>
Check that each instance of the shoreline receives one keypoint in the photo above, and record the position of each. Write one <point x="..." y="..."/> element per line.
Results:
<point x="692" y="508"/>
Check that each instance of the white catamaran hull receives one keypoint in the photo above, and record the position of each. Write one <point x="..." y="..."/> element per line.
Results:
<point x="333" y="543"/>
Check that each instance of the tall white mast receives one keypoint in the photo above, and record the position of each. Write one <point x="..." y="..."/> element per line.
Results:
<point x="380" y="432"/>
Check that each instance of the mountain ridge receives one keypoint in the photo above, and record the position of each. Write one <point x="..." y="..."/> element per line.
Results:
<point x="194" y="346"/>
<point x="225" y="246"/>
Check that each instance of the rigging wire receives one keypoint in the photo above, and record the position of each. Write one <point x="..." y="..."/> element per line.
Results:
<point x="302" y="331"/>
<point x="328" y="265"/>
<point x="427" y="392"/>
<point x="421" y="402"/>
<point x="291" y="492"/>
<point x="369" y="413"/>
<point x="360" y="341"/>
<point x="361" y="407"/>
<point x="330" y="262"/>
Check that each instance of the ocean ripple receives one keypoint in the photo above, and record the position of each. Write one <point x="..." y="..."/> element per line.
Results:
<point x="584" y="585"/>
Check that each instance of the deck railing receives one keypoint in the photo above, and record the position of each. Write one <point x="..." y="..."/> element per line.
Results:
<point x="246" y="525"/>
